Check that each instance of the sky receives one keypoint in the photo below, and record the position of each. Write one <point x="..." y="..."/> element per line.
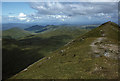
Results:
<point x="49" y="13"/>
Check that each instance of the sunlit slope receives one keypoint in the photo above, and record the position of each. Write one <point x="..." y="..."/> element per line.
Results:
<point x="91" y="56"/>
<point x="72" y="31"/>
<point x="15" y="33"/>
<point x="49" y="28"/>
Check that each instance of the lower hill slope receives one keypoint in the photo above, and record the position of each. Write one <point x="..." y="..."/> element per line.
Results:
<point x="15" y="33"/>
<point x="93" y="55"/>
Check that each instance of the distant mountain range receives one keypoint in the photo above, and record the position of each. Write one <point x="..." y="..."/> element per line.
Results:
<point x="53" y="30"/>
<point x="39" y="28"/>
<point x="34" y="28"/>
<point x="7" y="26"/>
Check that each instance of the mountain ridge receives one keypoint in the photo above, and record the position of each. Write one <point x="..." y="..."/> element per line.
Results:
<point x="87" y="57"/>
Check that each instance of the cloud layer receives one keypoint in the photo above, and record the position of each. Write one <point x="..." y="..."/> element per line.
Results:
<point x="70" y="12"/>
<point x="53" y="8"/>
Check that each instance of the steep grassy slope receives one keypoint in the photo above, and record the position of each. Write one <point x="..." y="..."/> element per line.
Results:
<point x="15" y="33"/>
<point x="91" y="56"/>
<point x="26" y="50"/>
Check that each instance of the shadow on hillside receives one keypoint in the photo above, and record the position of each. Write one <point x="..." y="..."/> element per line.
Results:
<point x="18" y="54"/>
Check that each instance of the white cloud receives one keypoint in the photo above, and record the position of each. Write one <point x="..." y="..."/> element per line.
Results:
<point x="103" y="0"/>
<point x="0" y="20"/>
<point x="11" y="16"/>
<point x="61" y="0"/>
<point x="73" y="9"/>
<point x="119" y="12"/>
<point x="22" y="19"/>
<point x="89" y="17"/>
<point x="58" y="16"/>
<point x="57" y="12"/>
<point x="28" y="20"/>
<point x="22" y="15"/>
<point x="37" y="17"/>
<point x="101" y="14"/>
<point x="63" y="19"/>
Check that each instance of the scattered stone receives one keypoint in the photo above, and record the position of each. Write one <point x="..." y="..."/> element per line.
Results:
<point x="68" y="48"/>
<point x="106" y="54"/>
<point x="101" y="48"/>
<point x="117" y="53"/>
<point x="105" y="50"/>
<point x="96" y="69"/>
<point x="96" y="64"/>
<point x="101" y="42"/>
<point x="105" y="62"/>
<point x="63" y="54"/>
<point x="97" y="55"/>
<point x="111" y="51"/>
<point x="62" y="51"/>
<point x="49" y="57"/>
<point x="68" y="43"/>
<point x="101" y="68"/>
<point x="25" y="69"/>
<point x="103" y="35"/>
<point x="96" y="43"/>
<point x="96" y="52"/>
<point x="82" y="39"/>
<point x="74" y="55"/>
<point x="72" y="40"/>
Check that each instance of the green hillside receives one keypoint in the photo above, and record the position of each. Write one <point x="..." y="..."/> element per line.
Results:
<point x="24" y="51"/>
<point x="15" y="33"/>
<point x="49" y="28"/>
<point x="93" y="55"/>
<point x="72" y="31"/>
